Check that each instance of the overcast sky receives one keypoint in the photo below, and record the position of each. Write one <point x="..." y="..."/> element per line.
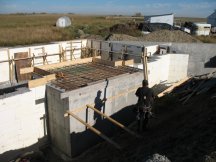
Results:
<point x="188" y="8"/>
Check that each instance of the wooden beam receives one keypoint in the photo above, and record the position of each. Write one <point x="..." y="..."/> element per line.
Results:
<point x="114" y="121"/>
<point x="41" y="81"/>
<point x="26" y="70"/>
<point x="173" y="86"/>
<point x="95" y="130"/>
<point x="145" y="61"/>
<point x="128" y="62"/>
<point x="57" y="65"/>
<point x="106" y="62"/>
<point x="66" y="63"/>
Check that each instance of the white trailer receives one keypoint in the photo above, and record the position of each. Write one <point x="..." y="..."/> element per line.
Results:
<point x="201" y="29"/>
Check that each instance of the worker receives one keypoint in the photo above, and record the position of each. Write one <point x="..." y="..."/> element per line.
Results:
<point x="144" y="105"/>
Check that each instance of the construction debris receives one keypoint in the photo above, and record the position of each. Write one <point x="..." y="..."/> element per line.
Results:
<point x="195" y="86"/>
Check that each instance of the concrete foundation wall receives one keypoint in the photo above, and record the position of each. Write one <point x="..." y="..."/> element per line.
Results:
<point x="178" y="67"/>
<point x="58" y="124"/>
<point x="158" y="69"/>
<point x="22" y="121"/>
<point x="166" y="68"/>
<point x="119" y="92"/>
<point x="202" y="56"/>
<point x="53" y="48"/>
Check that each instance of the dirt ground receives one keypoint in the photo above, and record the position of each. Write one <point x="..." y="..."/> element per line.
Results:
<point x="183" y="133"/>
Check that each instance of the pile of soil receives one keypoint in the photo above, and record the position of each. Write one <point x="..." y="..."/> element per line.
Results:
<point x="158" y="36"/>
<point x="121" y="37"/>
<point x="170" y="36"/>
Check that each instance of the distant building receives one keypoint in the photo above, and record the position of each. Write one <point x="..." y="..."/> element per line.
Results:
<point x="63" y="22"/>
<point x="211" y="19"/>
<point x="201" y="29"/>
<point x="166" y="18"/>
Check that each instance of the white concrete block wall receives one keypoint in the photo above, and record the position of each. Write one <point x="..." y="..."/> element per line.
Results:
<point x="158" y="71"/>
<point x="21" y="122"/>
<point x="167" y="68"/>
<point x="178" y="67"/>
<point x="52" y="48"/>
<point x="106" y="48"/>
<point x="151" y="50"/>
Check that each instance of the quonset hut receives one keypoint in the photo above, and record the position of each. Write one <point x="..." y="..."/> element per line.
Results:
<point x="63" y="22"/>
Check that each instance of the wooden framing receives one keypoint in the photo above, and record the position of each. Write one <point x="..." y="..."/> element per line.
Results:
<point x="95" y="130"/>
<point x="48" y="76"/>
<point x="57" y="65"/>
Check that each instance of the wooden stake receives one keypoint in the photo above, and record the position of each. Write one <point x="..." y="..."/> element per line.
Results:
<point x="114" y="121"/>
<point x="9" y="64"/>
<point x="95" y="130"/>
<point x="144" y="60"/>
<point x="60" y="53"/>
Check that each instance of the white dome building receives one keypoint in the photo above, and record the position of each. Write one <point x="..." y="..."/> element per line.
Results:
<point x="63" y="22"/>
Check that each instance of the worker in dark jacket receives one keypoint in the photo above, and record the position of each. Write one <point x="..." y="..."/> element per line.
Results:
<point x="144" y="105"/>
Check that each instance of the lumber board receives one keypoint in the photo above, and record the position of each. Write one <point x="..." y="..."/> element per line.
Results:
<point x="57" y="65"/>
<point x="25" y="63"/>
<point x="41" y="81"/>
<point x="26" y="70"/>
<point x="128" y="62"/>
<point x="106" y="62"/>
<point x="173" y="86"/>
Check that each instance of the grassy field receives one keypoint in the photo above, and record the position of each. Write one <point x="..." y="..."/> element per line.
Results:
<point x="40" y="28"/>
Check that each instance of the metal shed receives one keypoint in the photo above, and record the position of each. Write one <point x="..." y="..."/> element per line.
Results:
<point x="165" y="18"/>
<point x="211" y="19"/>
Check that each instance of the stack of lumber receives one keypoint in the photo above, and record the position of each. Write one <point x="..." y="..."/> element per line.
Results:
<point x="196" y="85"/>
<point x="192" y="86"/>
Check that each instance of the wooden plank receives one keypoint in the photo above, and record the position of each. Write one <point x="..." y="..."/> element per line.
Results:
<point x="128" y="62"/>
<point x="22" y="64"/>
<point x="173" y="86"/>
<point x="41" y="81"/>
<point x="97" y="132"/>
<point x="106" y="62"/>
<point x="26" y="70"/>
<point x="58" y="65"/>
<point x="67" y="63"/>
<point x="114" y="121"/>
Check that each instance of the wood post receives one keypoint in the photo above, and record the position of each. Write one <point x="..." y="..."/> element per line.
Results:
<point x="9" y="65"/>
<point x="114" y="121"/>
<point x="60" y="53"/>
<point x="71" y="52"/>
<point x="144" y="61"/>
<point x="95" y="130"/>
